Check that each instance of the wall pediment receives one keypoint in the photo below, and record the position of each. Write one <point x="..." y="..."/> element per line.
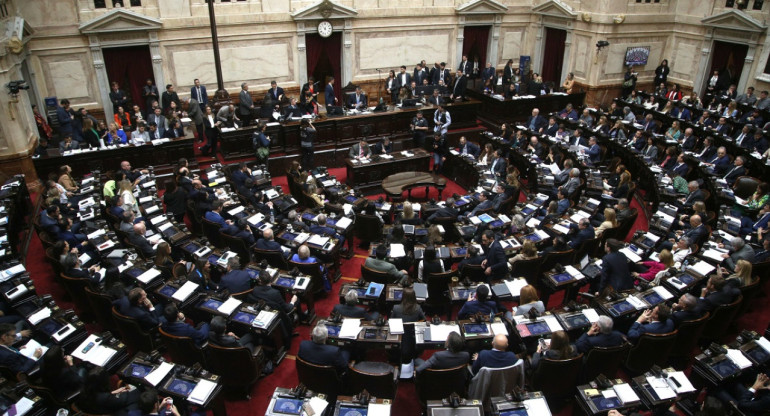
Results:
<point x="734" y="20"/>
<point x="119" y="20"/>
<point x="555" y="8"/>
<point x="481" y="7"/>
<point x="325" y="9"/>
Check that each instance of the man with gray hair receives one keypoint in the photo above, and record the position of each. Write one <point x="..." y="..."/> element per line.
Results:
<point x="599" y="335"/>
<point x="685" y="309"/>
<point x="622" y="210"/>
<point x="235" y="280"/>
<point x="572" y="183"/>
<point x="681" y="250"/>
<point x="350" y="308"/>
<point x="739" y="251"/>
<point x="317" y="352"/>
<point x="628" y="115"/>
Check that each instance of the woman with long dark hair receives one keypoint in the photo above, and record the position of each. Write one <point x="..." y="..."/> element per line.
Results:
<point x="98" y="398"/>
<point x="59" y="373"/>
<point x="559" y="349"/>
<point x="408" y="310"/>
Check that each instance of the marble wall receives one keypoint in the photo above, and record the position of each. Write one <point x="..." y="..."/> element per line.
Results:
<point x="391" y="50"/>
<point x="512" y="45"/>
<point x="69" y="76"/>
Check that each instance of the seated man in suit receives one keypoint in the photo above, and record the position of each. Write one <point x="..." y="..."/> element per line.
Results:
<point x="684" y="310"/>
<point x="350" y="308"/>
<point x="599" y="335"/>
<point x="235" y="280"/>
<point x="478" y="303"/>
<point x="454" y="356"/>
<point x="292" y="110"/>
<point x="562" y="203"/>
<point x="739" y="250"/>
<point x="569" y="113"/>
<point x="594" y="152"/>
<point x="467" y="148"/>
<point x="10" y="357"/>
<point x="240" y="230"/>
<point x="317" y="352"/>
<point x="736" y="171"/>
<point x="49" y="219"/>
<point x="240" y="175"/>
<point x="585" y="232"/>
<point x="215" y="214"/>
<point x="447" y="211"/>
<point x="379" y="264"/>
<point x="485" y="203"/>
<point x="267" y="242"/>
<point x="219" y="337"/>
<point x="472" y="257"/>
<point x="720" y="163"/>
<point x="383" y="148"/>
<point x="752" y="401"/>
<point x="141" y="243"/>
<point x="536" y="122"/>
<point x="360" y="150"/>
<point x="497" y="357"/>
<point x="272" y="296"/>
<point x="615" y="270"/>
<point x="358" y="100"/>
<point x="175" y="325"/>
<point x="72" y="268"/>
<point x="136" y="305"/>
<point x="652" y="321"/>
<point x="716" y="293"/>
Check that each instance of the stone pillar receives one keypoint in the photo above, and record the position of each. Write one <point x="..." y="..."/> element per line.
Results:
<point x="301" y="55"/>
<point x="494" y="42"/>
<point x="746" y="72"/>
<point x="347" y="53"/>
<point x="460" y="41"/>
<point x="703" y="66"/>
<point x="157" y="61"/>
<point x="101" y="76"/>
<point x="565" y="67"/>
<point x="537" y="60"/>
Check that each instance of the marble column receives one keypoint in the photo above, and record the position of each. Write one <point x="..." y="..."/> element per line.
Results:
<point x="301" y="55"/>
<point x="537" y="60"/>
<point x="565" y="67"/>
<point x="703" y="66"/>
<point x="746" y="72"/>
<point x="347" y="53"/>
<point x="102" y="80"/>
<point x="460" y="39"/>
<point x="494" y="42"/>
<point x="157" y="61"/>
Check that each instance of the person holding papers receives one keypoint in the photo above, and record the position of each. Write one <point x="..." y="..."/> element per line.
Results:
<point x="380" y="264"/>
<point x="615" y="271"/>
<point x="96" y="396"/>
<point x="360" y="151"/>
<point x="317" y="352"/>
<point x="599" y="335"/>
<point x="235" y="280"/>
<point x="453" y="356"/>
<point x="384" y="147"/>
<point x="497" y="357"/>
<point x="10" y="357"/>
<point x="175" y="325"/>
<point x="72" y="268"/>
<point x="654" y="321"/>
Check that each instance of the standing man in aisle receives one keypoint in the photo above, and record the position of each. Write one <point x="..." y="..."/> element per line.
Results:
<point x="245" y="104"/>
<point x="198" y="93"/>
<point x="331" y="100"/>
<point x="442" y="120"/>
<point x="419" y="130"/>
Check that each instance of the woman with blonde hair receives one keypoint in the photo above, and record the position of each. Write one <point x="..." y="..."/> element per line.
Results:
<point x="528" y="251"/>
<point x="434" y="235"/>
<point x="313" y="191"/>
<point x="126" y="191"/>
<point x="665" y="260"/>
<point x="528" y="300"/>
<point x="610" y="221"/>
<point x="741" y="275"/>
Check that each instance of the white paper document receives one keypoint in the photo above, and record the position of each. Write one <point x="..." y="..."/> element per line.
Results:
<point x="737" y="357"/>
<point x="20" y="408"/>
<point x="202" y="391"/>
<point x="28" y="350"/>
<point x="661" y="388"/>
<point x="684" y="383"/>
<point x="636" y="302"/>
<point x="350" y="328"/>
<point x="38" y="316"/>
<point x="574" y="272"/>
<point x="591" y="315"/>
<point x="702" y="268"/>
<point x="441" y="332"/>
<point x="625" y="393"/>
<point x="157" y="375"/>
<point x="764" y="343"/>
<point x="663" y="292"/>
<point x="378" y="409"/>
<point x="499" y="328"/>
<point x="264" y="318"/>
<point x="229" y="306"/>
<point x="396" y="326"/>
<point x="185" y="291"/>
<point x="397" y="250"/>
<point x="553" y="323"/>
<point x="514" y="286"/>
<point x="147" y="276"/>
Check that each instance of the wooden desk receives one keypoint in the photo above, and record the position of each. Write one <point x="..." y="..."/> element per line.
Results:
<point x="394" y="185"/>
<point x="368" y="176"/>
<point x="494" y="112"/>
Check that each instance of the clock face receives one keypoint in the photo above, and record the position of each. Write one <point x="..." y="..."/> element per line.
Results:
<point x="325" y="29"/>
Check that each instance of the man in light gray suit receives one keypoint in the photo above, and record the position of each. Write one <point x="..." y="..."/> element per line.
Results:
<point x="573" y="183"/>
<point x="740" y="251"/>
<point x="381" y="265"/>
<point x="360" y="150"/>
<point x="196" y="115"/>
<point x="245" y="105"/>
<point x="159" y="120"/>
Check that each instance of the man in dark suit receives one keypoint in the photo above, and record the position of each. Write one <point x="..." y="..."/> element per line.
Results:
<point x="175" y="325"/>
<point x="292" y="110"/>
<point x="322" y="228"/>
<point x="681" y="168"/>
<point x="419" y="74"/>
<point x="219" y="337"/>
<point x="459" y="86"/>
<point x="652" y="321"/>
<point x="272" y="296"/>
<point x="317" y="352"/>
<point x="436" y="99"/>
<point x="716" y="293"/>
<point x="235" y="280"/>
<point x="10" y="357"/>
<point x="599" y="335"/>
<point x="585" y="232"/>
<point x="495" y="264"/>
<point x="594" y="152"/>
<point x="383" y="147"/>
<point x="240" y="230"/>
<point x="684" y="310"/>
<point x="454" y="356"/>
<point x="472" y="257"/>
<point x="569" y="113"/>
<point x="198" y="93"/>
<point x="276" y="92"/>
<point x="245" y="105"/>
<point x="649" y="125"/>
<point x="722" y="128"/>
<point x="350" y="308"/>
<point x="465" y="66"/>
<point x="360" y="150"/>
<point x="562" y="203"/>
<point x="215" y="214"/>
<point x="478" y="303"/>
<point x="331" y="100"/>
<point x="447" y="211"/>
<point x="753" y="401"/>
<point x="169" y="96"/>
<point x="72" y="268"/>
<point x="136" y="305"/>
<point x="499" y="166"/>
<point x="49" y="219"/>
<point x="468" y="148"/>
<point x="267" y="242"/>
<point x="138" y="239"/>
<point x="497" y="357"/>
<point x="536" y="122"/>
<point x="615" y="271"/>
<point x="688" y="140"/>
<point x="487" y="73"/>
<point x="578" y="139"/>
<point x="403" y="79"/>
<point x="695" y="195"/>
<point x="720" y="163"/>
<point x="357" y="100"/>
<point x="736" y="171"/>
<point x="150" y="94"/>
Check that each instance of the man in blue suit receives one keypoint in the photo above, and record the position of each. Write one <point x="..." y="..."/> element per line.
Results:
<point x="599" y="335"/>
<point x="267" y="242"/>
<point x="136" y="305"/>
<point x="240" y="175"/>
<point x="688" y="140"/>
<point x="721" y="162"/>
<point x="478" y="303"/>
<point x="535" y="122"/>
<point x="235" y="280"/>
<point x="496" y="264"/>
<point x="594" y="152"/>
<point x="615" y="271"/>
<point x="49" y="220"/>
<point x="331" y="100"/>
<point x="562" y="205"/>
<point x="322" y="228"/>
<point x="12" y="358"/>
<point x="468" y="148"/>
<point x="680" y="167"/>
<point x="215" y="214"/>
<point x="569" y="113"/>
<point x="497" y="357"/>
<point x="276" y="92"/>
<point x="240" y="230"/>
<point x="736" y="171"/>
<point x="585" y="232"/>
<point x="198" y="93"/>
<point x="175" y="325"/>
<point x="317" y="352"/>
<point x="655" y="321"/>
<point x="357" y="100"/>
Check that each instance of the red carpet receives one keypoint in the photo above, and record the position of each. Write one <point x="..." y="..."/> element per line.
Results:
<point x="285" y="375"/>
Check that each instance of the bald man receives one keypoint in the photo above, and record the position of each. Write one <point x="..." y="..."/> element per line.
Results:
<point x="267" y="242"/>
<point x="138" y="240"/>
<point x="497" y="357"/>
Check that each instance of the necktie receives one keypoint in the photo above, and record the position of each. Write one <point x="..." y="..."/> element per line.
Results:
<point x="740" y="139"/>
<point x="200" y="99"/>
<point x="756" y="224"/>
<point x="442" y="76"/>
<point x="360" y="151"/>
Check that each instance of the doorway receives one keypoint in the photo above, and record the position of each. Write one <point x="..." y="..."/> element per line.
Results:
<point x="553" y="55"/>
<point x="475" y="42"/>
<point x="324" y="60"/>
<point x="728" y="59"/>
<point x="130" y="67"/>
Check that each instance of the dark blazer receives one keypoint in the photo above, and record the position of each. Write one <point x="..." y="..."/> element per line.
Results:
<point x="324" y="355"/>
<point x="203" y="99"/>
<point x="497" y="260"/>
<point x="697" y="235"/>
<point x="494" y="359"/>
<point x="683" y="316"/>
<point x="500" y="167"/>
<point x="445" y="359"/>
<point x="272" y="297"/>
<point x="718" y="298"/>
<point x="638" y="329"/>
<point x="352" y="101"/>
<point x="329" y="95"/>
<point x="681" y="169"/>
<point x="581" y="236"/>
<point x="264" y="244"/>
<point x="694" y="197"/>
<point x="539" y="122"/>
<point x="473" y="306"/>
<point x="182" y="329"/>
<point x="615" y="272"/>
<point x="292" y="111"/>
<point x="459" y="86"/>
<point x="141" y="243"/>
<point x="733" y="173"/>
<point x="351" y="311"/>
<point x="236" y="281"/>
<point x="147" y="319"/>
<point x="585" y="342"/>
<point x="471" y="149"/>
<point x="15" y="361"/>
<point x="398" y="313"/>
<point x="275" y="93"/>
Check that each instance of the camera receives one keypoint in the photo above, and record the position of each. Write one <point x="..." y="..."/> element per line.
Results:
<point x="602" y="43"/>
<point x="15" y="86"/>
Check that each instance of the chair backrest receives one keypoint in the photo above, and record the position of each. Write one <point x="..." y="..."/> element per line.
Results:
<point x="48" y="394"/>
<point x="720" y="320"/>
<point x="650" y="349"/>
<point x="474" y="272"/>
<point x="178" y="270"/>
<point x="274" y="258"/>
<point x="319" y="378"/>
<point x="589" y="247"/>
<point x="101" y="305"/>
<point x="749" y="292"/>
<point x="368" y="227"/>
<point x="761" y="269"/>
<point x="182" y="349"/>
<point x="211" y="231"/>
<point x="687" y="336"/>
<point x="553" y="258"/>
<point x="314" y="271"/>
<point x="192" y="215"/>
<point x="378" y="384"/>
<point x="54" y="261"/>
<point x="435" y="384"/>
<point x="627" y="224"/>
<point x="238" y="366"/>
<point x="557" y="378"/>
<point x="75" y="287"/>
<point x="135" y="338"/>
<point x="528" y="269"/>
<point x="438" y="285"/>
<point x="745" y="186"/>
<point x="604" y="360"/>
<point x="495" y="382"/>
<point x="371" y="275"/>
<point x="238" y="246"/>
